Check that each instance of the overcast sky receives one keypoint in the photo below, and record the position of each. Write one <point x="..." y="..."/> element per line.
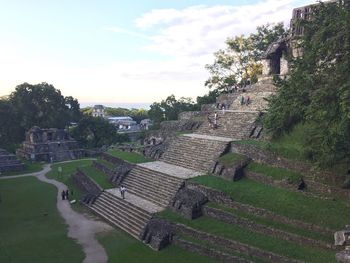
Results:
<point x="121" y="51"/>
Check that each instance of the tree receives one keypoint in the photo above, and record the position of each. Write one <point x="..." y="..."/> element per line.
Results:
<point x="94" y="132"/>
<point x="240" y="60"/>
<point x="43" y="105"/>
<point x="318" y="90"/>
<point x="29" y="105"/>
<point x="170" y="108"/>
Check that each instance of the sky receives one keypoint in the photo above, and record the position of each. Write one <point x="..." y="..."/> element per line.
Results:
<point x="119" y="52"/>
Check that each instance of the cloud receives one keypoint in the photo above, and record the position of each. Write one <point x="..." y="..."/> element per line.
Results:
<point x="125" y="31"/>
<point x="198" y="30"/>
<point x="188" y="37"/>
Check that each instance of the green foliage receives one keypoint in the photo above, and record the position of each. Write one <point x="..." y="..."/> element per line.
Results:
<point x="207" y="98"/>
<point x="240" y="60"/>
<point x="318" y="90"/>
<point x="129" y="156"/>
<point x="99" y="177"/>
<point x="30" y="167"/>
<point x="34" y="105"/>
<point x="169" y="108"/>
<point x="96" y="132"/>
<point x="31" y="229"/>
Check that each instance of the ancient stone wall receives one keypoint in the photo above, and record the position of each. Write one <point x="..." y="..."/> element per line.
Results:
<point x="188" y="115"/>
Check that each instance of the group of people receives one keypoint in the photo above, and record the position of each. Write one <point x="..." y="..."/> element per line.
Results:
<point x="245" y="100"/>
<point x="65" y="194"/>
<point x="221" y="106"/>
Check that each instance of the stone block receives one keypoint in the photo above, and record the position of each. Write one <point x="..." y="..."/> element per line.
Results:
<point x="188" y="203"/>
<point x="158" y="233"/>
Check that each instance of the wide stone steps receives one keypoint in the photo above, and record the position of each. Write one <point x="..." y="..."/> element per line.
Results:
<point x="126" y="216"/>
<point x="151" y="185"/>
<point x="236" y="125"/>
<point x="194" y="153"/>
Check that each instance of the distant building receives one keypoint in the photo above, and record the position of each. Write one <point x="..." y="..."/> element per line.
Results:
<point x="145" y="124"/>
<point x="98" y="111"/>
<point x="124" y="124"/>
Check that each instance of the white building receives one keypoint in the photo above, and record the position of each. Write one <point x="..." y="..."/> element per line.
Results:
<point x="98" y="111"/>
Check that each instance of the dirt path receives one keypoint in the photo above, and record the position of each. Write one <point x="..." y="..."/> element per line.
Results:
<point x="80" y="228"/>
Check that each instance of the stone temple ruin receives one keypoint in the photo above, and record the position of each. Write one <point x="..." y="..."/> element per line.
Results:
<point x="9" y="162"/>
<point x="49" y="145"/>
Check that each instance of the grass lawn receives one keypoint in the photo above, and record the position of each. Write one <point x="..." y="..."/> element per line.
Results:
<point x="276" y="225"/>
<point x="289" y="145"/>
<point x="231" y="158"/>
<point x="29" y="168"/>
<point x="130" y="157"/>
<point x="281" y="247"/>
<point x="98" y="176"/>
<point x="31" y="229"/>
<point x="333" y="214"/>
<point x="274" y="172"/>
<point x="68" y="169"/>
<point x="121" y="247"/>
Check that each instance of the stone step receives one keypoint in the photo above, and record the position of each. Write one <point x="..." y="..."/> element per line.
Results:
<point x="167" y="180"/>
<point x="147" y="196"/>
<point x="137" y="212"/>
<point x="128" y="217"/>
<point x="114" y="221"/>
<point x="158" y="187"/>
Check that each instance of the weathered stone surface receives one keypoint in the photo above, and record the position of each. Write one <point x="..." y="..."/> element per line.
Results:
<point x="188" y="115"/>
<point x="9" y="162"/>
<point x="268" y="180"/>
<point x="343" y="256"/>
<point x="122" y="168"/>
<point x="181" y="125"/>
<point x="49" y="145"/>
<point x="342" y="238"/>
<point x="158" y="233"/>
<point x="188" y="203"/>
<point x="233" y="172"/>
<point x="87" y="185"/>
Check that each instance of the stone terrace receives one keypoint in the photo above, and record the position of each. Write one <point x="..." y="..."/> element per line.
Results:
<point x="9" y="162"/>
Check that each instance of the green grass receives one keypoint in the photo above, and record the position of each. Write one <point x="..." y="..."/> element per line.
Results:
<point x="231" y="158"/>
<point x="246" y="236"/>
<point x="30" y="167"/>
<point x="99" y="177"/>
<point x="107" y="164"/>
<point x="290" y="146"/>
<point x="129" y="156"/>
<point x="273" y="224"/>
<point x="65" y="177"/>
<point x="31" y="229"/>
<point x="274" y="172"/>
<point x="120" y="247"/>
<point x="333" y="214"/>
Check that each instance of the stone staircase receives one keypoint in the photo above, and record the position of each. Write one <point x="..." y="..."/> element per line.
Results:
<point x="156" y="187"/>
<point x="198" y="154"/>
<point x="121" y="213"/>
<point x="235" y="125"/>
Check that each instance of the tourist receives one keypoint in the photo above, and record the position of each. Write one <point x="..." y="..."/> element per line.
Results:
<point x="242" y="100"/>
<point x="223" y="107"/>
<point x="215" y="120"/>
<point x="122" y="191"/>
<point x="63" y="195"/>
<point x="248" y="101"/>
<point x="67" y="194"/>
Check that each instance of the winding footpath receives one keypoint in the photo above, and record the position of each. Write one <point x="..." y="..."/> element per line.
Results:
<point x="80" y="228"/>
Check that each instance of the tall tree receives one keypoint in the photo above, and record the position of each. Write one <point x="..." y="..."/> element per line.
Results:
<point x="239" y="61"/>
<point x="318" y="90"/>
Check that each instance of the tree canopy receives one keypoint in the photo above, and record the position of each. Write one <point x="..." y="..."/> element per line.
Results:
<point x="318" y="90"/>
<point x="239" y="61"/>
<point x="29" y="105"/>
